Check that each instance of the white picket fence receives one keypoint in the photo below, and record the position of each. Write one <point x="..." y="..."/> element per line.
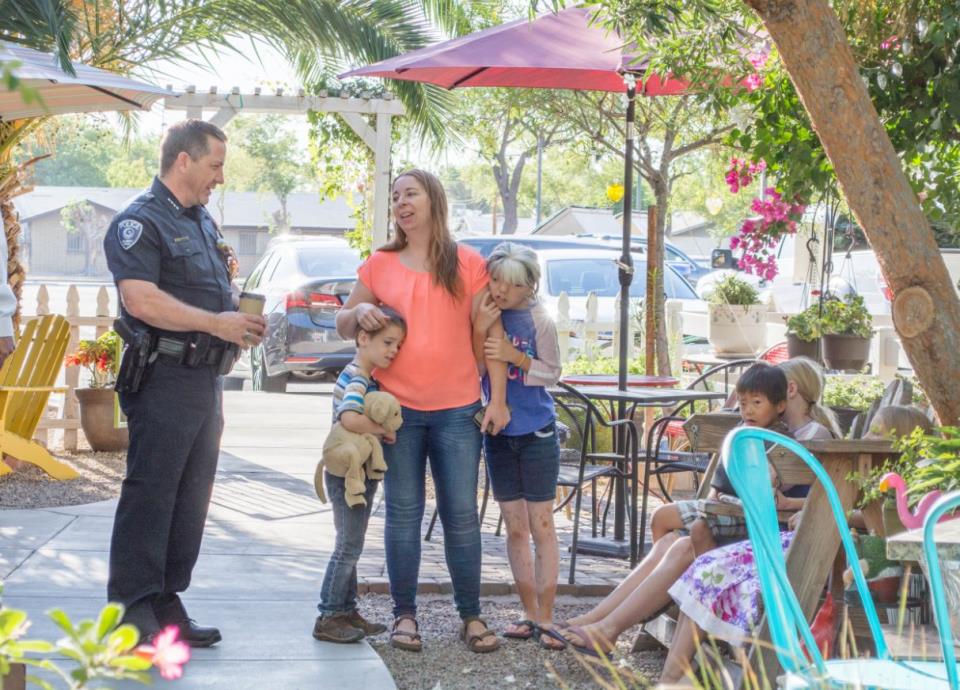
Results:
<point x="581" y="336"/>
<point x="67" y="416"/>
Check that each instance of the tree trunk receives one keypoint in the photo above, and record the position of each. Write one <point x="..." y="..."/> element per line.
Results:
<point x="662" y="193"/>
<point x="9" y="188"/>
<point x="815" y="52"/>
<point x="508" y="186"/>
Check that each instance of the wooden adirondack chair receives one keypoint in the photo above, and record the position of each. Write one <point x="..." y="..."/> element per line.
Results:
<point x="26" y="382"/>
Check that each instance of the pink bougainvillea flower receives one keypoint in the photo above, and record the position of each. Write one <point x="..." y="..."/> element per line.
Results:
<point x="753" y="81"/>
<point x="890" y="43"/>
<point x="758" y="59"/>
<point x="167" y="653"/>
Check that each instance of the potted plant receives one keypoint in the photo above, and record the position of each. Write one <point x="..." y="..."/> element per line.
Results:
<point x="847" y="329"/>
<point x="737" y="320"/>
<point x="849" y="396"/>
<point x="99" y="357"/>
<point x="803" y="333"/>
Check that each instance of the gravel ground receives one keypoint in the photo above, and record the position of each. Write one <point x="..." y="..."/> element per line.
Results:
<point x="31" y="487"/>
<point x="445" y="662"/>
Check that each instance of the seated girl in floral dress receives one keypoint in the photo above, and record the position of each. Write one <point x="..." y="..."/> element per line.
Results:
<point x="719" y="595"/>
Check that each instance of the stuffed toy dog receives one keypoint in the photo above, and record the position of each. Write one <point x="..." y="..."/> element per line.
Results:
<point x="351" y="456"/>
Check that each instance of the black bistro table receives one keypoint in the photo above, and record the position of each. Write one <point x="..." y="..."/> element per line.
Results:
<point x="629" y="400"/>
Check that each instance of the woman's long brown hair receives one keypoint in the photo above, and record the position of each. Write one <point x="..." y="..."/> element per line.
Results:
<point x="442" y="255"/>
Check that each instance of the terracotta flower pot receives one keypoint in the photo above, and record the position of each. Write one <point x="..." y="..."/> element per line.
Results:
<point x="96" y="419"/>
<point x="846" y="352"/>
<point x="803" y="348"/>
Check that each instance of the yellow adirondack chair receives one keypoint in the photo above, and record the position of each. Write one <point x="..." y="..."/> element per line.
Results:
<point x="26" y="382"/>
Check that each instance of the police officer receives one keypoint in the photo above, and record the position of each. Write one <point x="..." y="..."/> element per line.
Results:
<point x="165" y="253"/>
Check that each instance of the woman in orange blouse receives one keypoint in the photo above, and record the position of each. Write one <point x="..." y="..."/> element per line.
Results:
<point x="437" y="287"/>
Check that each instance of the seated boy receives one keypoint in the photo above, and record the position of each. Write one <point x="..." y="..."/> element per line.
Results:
<point x="762" y="398"/>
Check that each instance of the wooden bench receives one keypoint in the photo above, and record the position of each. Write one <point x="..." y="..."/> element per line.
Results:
<point x="26" y="382"/>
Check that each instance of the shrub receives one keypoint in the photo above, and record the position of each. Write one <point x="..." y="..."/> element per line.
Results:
<point x="849" y="317"/>
<point x="732" y="289"/>
<point x="806" y="324"/>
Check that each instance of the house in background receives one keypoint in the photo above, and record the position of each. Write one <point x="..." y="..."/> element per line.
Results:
<point x="245" y="218"/>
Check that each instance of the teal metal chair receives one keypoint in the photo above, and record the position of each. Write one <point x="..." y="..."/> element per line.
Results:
<point x="745" y="459"/>
<point x="941" y="612"/>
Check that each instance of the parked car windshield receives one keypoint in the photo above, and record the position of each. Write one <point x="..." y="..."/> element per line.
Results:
<point x="328" y="261"/>
<point x="577" y="277"/>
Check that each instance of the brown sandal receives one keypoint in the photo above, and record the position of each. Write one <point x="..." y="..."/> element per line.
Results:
<point x="415" y="644"/>
<point x="473" y="641"/>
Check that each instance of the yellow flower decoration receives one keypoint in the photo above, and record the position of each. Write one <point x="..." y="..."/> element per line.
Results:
<point x="615" y="192"/>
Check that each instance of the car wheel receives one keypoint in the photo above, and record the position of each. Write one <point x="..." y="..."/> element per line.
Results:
<point x="258" y="374"/>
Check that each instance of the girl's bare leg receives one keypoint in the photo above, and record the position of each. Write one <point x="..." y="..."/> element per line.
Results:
<point x="546" y="563"/>
<point x="634" y="580"/>
<point x="517" y="522"/>
<point x="682" y="648"/>
<point x="645" y="600"/>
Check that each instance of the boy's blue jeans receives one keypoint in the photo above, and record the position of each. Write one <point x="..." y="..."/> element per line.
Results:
<point x="451" y="440"/>
<point x="338" y="594"/>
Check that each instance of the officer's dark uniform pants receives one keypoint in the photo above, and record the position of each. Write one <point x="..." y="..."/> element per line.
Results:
<point x="175" y="422"/>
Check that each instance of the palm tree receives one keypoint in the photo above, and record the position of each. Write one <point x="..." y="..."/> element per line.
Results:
<point x="125" y="35"/>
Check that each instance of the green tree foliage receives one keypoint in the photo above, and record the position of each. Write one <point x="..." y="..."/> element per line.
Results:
<point x="271" y="148"/>
<point x="85" y="151"/>
<point x="907" y="50"/>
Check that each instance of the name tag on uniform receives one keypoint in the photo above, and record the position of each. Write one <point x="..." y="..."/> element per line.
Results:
<point x="181" y="239"/>
<point x="128" y="232"/>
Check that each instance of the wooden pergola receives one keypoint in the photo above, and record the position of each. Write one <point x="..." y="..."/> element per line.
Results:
<point x="375" y="135"/>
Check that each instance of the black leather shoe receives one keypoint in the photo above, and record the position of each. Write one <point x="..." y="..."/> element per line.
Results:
<point x="198" y="636"/>
<point x="170" y="611"/>
<point x="141" y="615"/>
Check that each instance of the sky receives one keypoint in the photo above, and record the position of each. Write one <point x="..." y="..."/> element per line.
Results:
<point x="263" y="67"/>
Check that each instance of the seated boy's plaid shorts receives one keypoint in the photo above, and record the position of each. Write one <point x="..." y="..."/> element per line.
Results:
<point x="724" y="528"/>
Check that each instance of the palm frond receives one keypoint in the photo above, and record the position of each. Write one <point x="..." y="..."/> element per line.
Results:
<point x="39" y="24"/>
<point x="449" y="15"/>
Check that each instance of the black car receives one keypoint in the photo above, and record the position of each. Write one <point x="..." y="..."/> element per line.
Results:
<point x="305" y="281"/>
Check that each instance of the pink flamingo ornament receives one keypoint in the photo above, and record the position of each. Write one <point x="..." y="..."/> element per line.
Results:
<point x="915" y="519"/>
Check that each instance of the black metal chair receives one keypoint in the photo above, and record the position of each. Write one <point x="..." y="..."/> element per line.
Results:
<point x="592" y="465"/>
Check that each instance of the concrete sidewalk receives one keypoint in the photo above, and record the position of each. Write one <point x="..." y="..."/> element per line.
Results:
<point x="265" y="548"/>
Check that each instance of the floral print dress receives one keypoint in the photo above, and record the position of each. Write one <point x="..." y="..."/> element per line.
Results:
<point x="720" y="591"/>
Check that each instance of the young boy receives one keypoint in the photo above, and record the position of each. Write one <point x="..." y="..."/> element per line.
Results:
<point x="339" y="621"/>
<point x="762" y="398"/>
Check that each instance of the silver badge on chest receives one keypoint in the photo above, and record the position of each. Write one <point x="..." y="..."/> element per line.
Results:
<point x="128" y="232"/>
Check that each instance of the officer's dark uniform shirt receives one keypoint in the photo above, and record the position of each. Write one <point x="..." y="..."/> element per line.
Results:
<point x="158" y="240"/>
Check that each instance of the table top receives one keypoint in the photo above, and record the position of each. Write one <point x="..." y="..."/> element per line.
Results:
<point x="654" y="396"/>
<point x="711" y="358"/>
<point x="907" y="546"/>
<point x="633" y="380"/>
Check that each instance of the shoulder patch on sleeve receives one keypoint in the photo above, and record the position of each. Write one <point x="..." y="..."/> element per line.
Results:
<point x="128" y="232"/>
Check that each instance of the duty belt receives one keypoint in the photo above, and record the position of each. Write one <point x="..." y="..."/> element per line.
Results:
<point x="196" y="351"/>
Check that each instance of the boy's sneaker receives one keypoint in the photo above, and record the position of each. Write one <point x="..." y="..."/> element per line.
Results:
<point x="356" y="620"/>
<point x="336" y="629"/>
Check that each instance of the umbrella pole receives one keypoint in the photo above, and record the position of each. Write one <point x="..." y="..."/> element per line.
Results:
<point x="626" y="278"/>
<point x="626" y="260"/>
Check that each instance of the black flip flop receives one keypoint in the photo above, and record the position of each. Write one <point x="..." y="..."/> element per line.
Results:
<point x="532" y="629"/>
<point x="551" y="632"/>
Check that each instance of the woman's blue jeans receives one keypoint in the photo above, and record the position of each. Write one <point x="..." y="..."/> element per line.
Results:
<point x="451" y="440"/>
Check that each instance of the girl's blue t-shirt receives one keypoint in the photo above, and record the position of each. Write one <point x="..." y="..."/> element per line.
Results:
<point x="531" y="407"/>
